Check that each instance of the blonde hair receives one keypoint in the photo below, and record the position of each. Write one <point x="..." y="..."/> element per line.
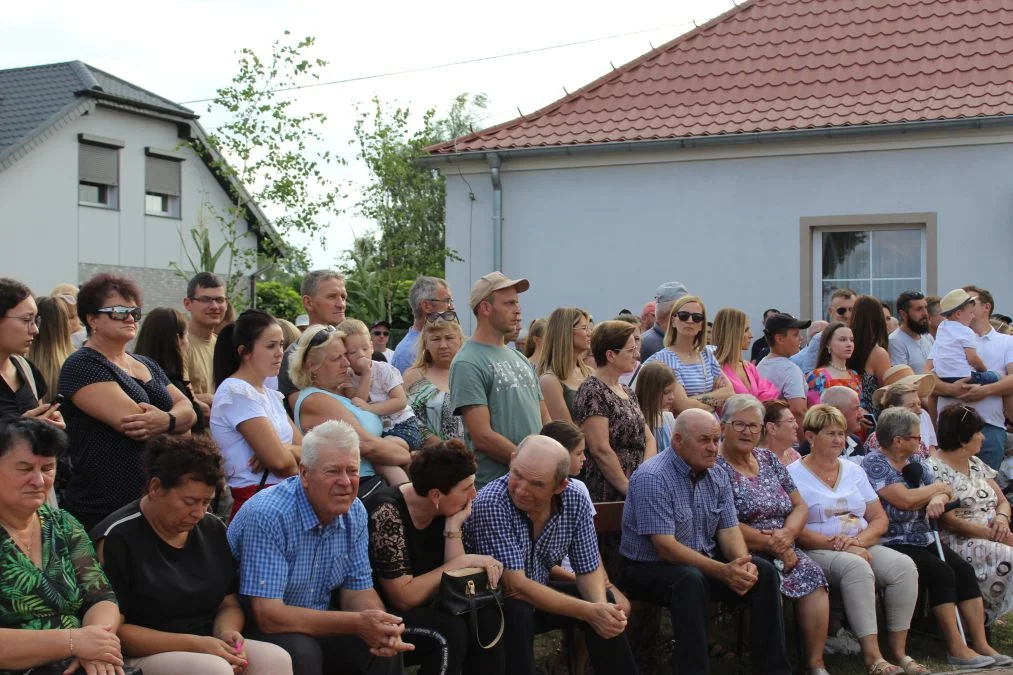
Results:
<point x="823" y="416"/>
<point x="729" y="328"/>
<point x="652" y="380"/>
<point x="305" y="357"/>
<point x="52" y="345"/>
<point x="672" y="332"/>
<point x="289" y="333"/>
<point x="535" y="329"/>
<point x="423" y="359"/>
<point x="353" y="327"/>
<point x="557" y="356"/>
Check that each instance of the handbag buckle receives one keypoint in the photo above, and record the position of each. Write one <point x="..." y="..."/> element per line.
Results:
<point x="469" y="588"/>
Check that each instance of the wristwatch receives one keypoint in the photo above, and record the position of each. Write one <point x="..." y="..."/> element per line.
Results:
<point x="452" y="534"/>
<point x="172" y="422"/>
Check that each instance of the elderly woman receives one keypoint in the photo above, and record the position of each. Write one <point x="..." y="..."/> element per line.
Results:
<point x="618" y="438"/>
<point x="700" y="381"/>
<point x="842" y="534"/>
<point x="55" y="602"/>
<point x="780" y="429"/>
<point x="951" y="583"/>
<point x="978" y="530"/>
<point x="561" y="368"/>
<point x="258" y="441"/>
<point x="771" y="515"/>
<point x="319" y="367"/>
<point x="119" y="401"/>
<point x="909" y="396"/>
<point x="169" y="562"/>
<point x="731" y="335"/>
<point x="427" y="382"/>
<point x="22" y="385"/>
<point x="413" y="539"/>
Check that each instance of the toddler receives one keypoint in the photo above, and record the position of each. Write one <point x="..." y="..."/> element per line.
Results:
<point x="954" y="354"/>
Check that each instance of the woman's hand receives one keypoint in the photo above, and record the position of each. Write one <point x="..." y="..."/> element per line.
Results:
<point x="936" y="505"/>
<point x="94" y="667"/>
<point x="48" y="413"/>
<point x="780" y="541"/>
<point x="255" y="465"/>
<point x="789" y="559"/>
<point x="360" y="403"/>
<point x="999" y="528"/>
<point x="493" y="568"/>
<point x="142" y="426"/>
<point x="859" y="551"/>
<point x="455" y="521"/>
<point x="96" y="643"/>
<point x="237" y="642"/>
<point x="222" y="649"/>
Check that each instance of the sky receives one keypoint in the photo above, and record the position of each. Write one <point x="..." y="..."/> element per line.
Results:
<point x="185" y="49"/>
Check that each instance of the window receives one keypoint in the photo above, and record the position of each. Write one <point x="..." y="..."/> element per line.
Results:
<point x="98" y="171"/>
<point x="162" y="183"/>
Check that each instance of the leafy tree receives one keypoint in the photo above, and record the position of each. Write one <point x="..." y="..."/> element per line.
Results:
<point x="278" y="299"/>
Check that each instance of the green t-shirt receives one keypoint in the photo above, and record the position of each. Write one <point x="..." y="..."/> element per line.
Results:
<point x="504" y="381"/>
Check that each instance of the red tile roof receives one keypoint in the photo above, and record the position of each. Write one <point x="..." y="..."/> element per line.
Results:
<point x="779" y="65"/>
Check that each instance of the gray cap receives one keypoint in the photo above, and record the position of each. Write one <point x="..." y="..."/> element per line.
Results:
<point x="670" y="291"/>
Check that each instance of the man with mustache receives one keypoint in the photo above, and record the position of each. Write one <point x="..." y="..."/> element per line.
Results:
<point x="911" y="343"/>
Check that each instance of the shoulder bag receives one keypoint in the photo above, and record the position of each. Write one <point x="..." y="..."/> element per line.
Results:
<point x="467" y="590"/>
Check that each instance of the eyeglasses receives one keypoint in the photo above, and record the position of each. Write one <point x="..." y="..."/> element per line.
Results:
<point x="741" y="426"/>
<point x="697" y="317"/>
<point x="586" y="328"/>
<point x="791" y="420"/>
<point x="448" y="301"/>
<point x="841" y="311"/>
<point x="121" y="313"/>
<point x="627" y="349"/>
<point x="913" y="436"/>
<point x="27" y="320"/>
<point x="321" y="337"/>
<point x="381" y="333"/>
<point x="449" y="315"/>
<point x="207" y="299"/>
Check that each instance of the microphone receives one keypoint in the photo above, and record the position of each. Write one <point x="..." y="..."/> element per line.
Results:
<point x="914" y="474"/>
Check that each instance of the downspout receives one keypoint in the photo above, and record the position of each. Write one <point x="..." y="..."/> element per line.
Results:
<point x="497" y="211"/>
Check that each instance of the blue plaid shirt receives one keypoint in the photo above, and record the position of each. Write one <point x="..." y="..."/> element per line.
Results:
<point x="499" y="529"/>
<point x="666" y="497"/>
<point x="284" y="552"/>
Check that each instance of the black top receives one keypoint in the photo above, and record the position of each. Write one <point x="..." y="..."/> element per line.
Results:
<point x="396" y="547"/>
<point x="106" y="470"/>
<point x="760" y="349"/>
<point x="15" y="403"/>
<point x="175" y="590"/>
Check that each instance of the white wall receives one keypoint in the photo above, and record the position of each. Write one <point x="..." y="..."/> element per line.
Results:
<point x="46" y="234"/>
<point x="604" y="237"/>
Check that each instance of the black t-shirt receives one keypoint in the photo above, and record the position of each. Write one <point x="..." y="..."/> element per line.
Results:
<point x="760" y="349"/>
<point x="15" y="403"/>
<point x="162" y="587"/>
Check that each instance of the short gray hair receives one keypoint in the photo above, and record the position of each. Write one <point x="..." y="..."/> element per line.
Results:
<point x="838" y="396"/>
<point x="332" y="434"/>
<point x="893" y="423"/>
<point x="313" y="279"/>
<point x="739" y="402"/>
<point x="423" y="289"/>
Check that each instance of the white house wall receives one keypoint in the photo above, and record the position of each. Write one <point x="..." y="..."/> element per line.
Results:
<point x="48" y="238"/>
<point x="604" y="237"/>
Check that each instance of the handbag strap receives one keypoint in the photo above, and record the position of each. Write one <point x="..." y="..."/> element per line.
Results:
<point x="473" y="613"/>
<point x="27" y="375"/>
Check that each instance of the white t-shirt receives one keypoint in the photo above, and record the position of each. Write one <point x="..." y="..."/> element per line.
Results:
<point x="235" y="402"/>
<point x="905" y="349"/>
<point x="785" y="375"/>
<point x="948" y="357"/>
<point x="388" y="354"/>
<point x="837" y="510"/>
<point x="996" y="350"/>
<point x="928" y="431"/>
<point x="384" y="378"/>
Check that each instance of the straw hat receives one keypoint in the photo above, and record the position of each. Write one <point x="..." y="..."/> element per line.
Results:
<point x="903" y="374"/>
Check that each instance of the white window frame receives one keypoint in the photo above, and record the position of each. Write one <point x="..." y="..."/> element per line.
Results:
<point x="112" y="189"/>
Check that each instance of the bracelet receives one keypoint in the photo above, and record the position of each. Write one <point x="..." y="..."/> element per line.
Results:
<point x="1006" y="515"/>
<point x="70" y="638"/>
<point x="453" y="534"/>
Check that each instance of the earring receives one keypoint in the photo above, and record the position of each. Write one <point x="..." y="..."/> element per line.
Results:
<point x="313" y="377"/>
<point x="437" y="505"/>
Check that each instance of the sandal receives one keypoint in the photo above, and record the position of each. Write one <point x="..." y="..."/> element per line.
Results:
<point x="882" y="667"/>
<point x="912" y="667"/>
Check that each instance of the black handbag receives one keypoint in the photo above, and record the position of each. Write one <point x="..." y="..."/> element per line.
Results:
<point x="57" y="668"/>
<point x="467" y="590"/>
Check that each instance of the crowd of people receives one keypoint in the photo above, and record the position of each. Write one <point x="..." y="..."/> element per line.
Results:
<point x="223" y="494"/>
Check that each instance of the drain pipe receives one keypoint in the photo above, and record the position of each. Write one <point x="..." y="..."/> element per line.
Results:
<point x="497" y="211"/>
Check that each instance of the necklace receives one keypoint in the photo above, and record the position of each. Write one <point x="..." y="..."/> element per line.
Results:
<point x="843" y="367"/>
<point x="827" y="476"/>
<point x="30" y="548"/>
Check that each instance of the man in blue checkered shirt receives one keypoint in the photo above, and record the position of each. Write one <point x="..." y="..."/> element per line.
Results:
<point x="679" y="526"/>
<point x="528" y="520"/>
<point x="300" y="541"/>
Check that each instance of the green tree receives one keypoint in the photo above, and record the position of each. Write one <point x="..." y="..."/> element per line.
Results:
<point x="278" y="299"/>
<point x="275" y="152"/>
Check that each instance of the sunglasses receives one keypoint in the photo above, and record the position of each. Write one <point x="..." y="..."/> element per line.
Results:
<point x="381" y="333"/>
<point x="697" y="317"/>
<point x="841" y="311"/>
<point x="121" y="313"/>
<point x="449" y="315"/>
<point x="321" y="336"/>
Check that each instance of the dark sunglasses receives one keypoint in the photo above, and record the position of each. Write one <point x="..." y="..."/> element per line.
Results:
<point x="321" y="336"/>
<point x="697" y="317"/>
<point x="120" y="313"/>
<point x="841" y="311"/>
<point x="381" y="333"/>
<point x="449" y="315"/>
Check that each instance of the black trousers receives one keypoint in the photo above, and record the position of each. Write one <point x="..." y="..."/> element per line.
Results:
<point x="950" y="581"/>
<point x="445" y="644"/>
<point x="523" y="622"/>
<point x="688" y="592"/>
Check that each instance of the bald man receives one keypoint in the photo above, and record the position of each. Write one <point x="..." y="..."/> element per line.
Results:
<point x="682" y="547"/>
<point x="528" y="520"/>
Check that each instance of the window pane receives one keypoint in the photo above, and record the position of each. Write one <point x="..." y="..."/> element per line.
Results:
<point x="846" y="255"/>
<point x="896" y="253"/>
<point x="889" y="289"/>
<point x="92" y="194"/>
<point x="156" y="203"/>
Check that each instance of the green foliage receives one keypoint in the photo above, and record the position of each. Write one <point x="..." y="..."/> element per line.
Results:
<point x="278" y="299"/>
<point x="207" y="259"/>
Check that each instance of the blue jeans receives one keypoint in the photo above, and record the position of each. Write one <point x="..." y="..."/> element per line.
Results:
<point x="977" y="377"/>
<point x="993" y="449"/>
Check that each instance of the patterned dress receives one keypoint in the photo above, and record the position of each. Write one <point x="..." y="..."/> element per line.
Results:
<point x="763" y="502"/>
<point x="432" y="406"/>
<point x="992" y="561"/>
<point x="68" y="584"/>
<point x="822" y="379"/>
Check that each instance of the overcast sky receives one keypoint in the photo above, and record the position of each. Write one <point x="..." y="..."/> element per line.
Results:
<point x="185" y="49"/>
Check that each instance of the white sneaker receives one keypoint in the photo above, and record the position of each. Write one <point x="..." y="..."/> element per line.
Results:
<point x="842" y="642"/>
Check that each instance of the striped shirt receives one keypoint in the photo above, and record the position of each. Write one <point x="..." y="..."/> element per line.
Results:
<point x="695" y="378"/>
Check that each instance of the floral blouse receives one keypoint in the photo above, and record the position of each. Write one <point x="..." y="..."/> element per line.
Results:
<point x="70" y="581"/>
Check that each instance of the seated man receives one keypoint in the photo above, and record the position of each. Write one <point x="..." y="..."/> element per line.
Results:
<point x="679" y="525"/>
<point x="298" y="541"/>
<point x="528" y="520"/>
